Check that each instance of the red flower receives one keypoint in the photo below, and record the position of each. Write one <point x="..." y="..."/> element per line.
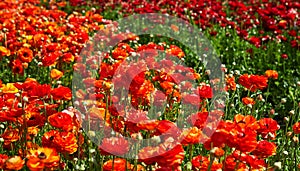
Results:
<point x="50" y="58"/>
<point x="61" y="120"/>
<point x="64" y="142"/>
<point x="40" y="91"/>
<point x="201" y="163"/>
<point x="243" y="139"/>
<point x="17" y="67"/>
<point x="3" y="158"/>
<point x="199" y="119"/>
<point x="296" y="128"/>
<point x="61" y="93"/>
<point x="265" y="149"/>
<point x="255" y="41"/>
<point x="268" y="128"/>
<point x="119" y="165"/>
<point x="253" y="82"/>
<point x="230" y="164"/>
<point x="114" y="146"/>
<point x="166" y="154"/>
<point x="205" y="91"/>
<point x="25" y="55"/>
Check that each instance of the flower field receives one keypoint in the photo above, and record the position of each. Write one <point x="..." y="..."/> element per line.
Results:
<point x="144" y="85"/>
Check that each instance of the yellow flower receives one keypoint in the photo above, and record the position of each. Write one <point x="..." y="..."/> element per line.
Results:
<point x="9" y="88"/>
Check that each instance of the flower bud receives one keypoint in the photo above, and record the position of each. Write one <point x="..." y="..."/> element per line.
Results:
<point x="288" y="134"/>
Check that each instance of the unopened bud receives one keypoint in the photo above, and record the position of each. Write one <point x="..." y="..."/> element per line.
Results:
<point x="278" y="165"/>
<point x="292" y="112"/>
<point x="283" y="100"/>
<point x="288" y="134"/>
<point x="296" y="139"/>
<point x="91" y="133"/>
<point x="25" y="99"/>
<point x="272" y="112"/>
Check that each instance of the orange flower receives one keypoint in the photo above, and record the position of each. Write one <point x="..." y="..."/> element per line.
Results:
<point x="4" y="51"/>
<point x="25" y="54"/>
<point x="119" y="165"/>
<point x="10" y="135"/>
<point x="231" y="163"/>
<point x="56" y="74"/>
<point x="230" y="83"/>
<point x="246" y="121"/>
<point x="191" y="136"/>
<point x="174" y="28"/>
<point x="14" y="163"/>
<point x="217" y="151"/>
<point x="32" y="131"/>
<point x="41" y="158"/>
<point x="296" y="128"/>
<point x="64" y="142"/>
<point x="248" y="100"/>
<point x="271" y="74"/>
<point x="176" y="51"/>
<point x="202" y="163"/>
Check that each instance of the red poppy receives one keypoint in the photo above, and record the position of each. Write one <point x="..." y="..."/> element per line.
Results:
<point x="114" y="146"/>
<point x="265" y="149"/>
<point x="50" y="58"/>
<point x="61" y="120"/>
<point x="34" y="118"/>
<point x="116" y="164"/>
<point x="199" y="119"/>
<point x="253" y="82"/>
<point x="3" y="158"/>
<point x="40" y="91"/>
<point x="231" y="164"/>
<point x="17" y="67"/>
<point x="64" y="142"/>
<point x="243" y="139"/>
<point x="167" y="129"/>
<point x="296" y="128"/>
<point x="61" y="93"/>
<point x="205" y="91"/>
<point x="201" y="163"/>
<point x="268" y="128"/>
<point x="25" y="55"/>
